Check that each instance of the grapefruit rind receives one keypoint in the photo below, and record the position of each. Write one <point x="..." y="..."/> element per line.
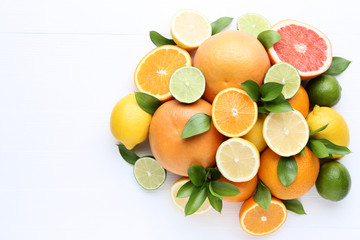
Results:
<point x="274" y="58"/>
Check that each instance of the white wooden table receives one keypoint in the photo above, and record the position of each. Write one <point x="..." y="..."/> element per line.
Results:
<point x="65" y="63"/>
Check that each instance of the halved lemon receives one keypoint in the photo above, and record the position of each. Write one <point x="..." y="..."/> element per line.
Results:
<point x="286" y="133"/>
<point x="189" y="28"/>
<point x="238" y="160"/>
<point x="181" y="202"/>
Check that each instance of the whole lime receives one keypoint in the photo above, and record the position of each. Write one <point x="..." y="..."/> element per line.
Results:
<point x="334" y="181"/>
<point x="324" y="90"/>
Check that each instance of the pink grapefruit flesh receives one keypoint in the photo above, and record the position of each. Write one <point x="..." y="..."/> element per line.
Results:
<point x="303" y="46"/>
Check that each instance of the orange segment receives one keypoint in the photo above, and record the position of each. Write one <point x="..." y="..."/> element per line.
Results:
<point x="152" y="75"/>
<point x="234" y="113"/>
<point x="257" y="221"/>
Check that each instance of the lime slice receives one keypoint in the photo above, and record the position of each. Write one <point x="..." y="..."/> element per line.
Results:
<point x="253" y="23"/>
<point x="187" y="84"/>
<point x="148" y="173"/>
<point x="286" y="74"/>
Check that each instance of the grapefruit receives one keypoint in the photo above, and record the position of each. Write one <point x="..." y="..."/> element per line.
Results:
<point x="170" y="150"/>
<point x="303" y="46"/>
<point x="229" y="58"/>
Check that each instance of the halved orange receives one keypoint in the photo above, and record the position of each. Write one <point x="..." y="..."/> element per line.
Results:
<point x="152" y="75"/>
<point x="234" y="113"/>
<point x="257" y="221"/>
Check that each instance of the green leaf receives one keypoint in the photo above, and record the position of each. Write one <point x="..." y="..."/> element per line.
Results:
<point x="335" y="149"/>
<point x="197" y="174"/>
<point x="338" y="65"/>
<point x="127" y="154"/>
<point x="318" y="148"/>
<point x="215" y="202"/>
<point x="220" y="24"/>
<point x="294" y="205"/>
<point x="262" y="110"/>
<point x="270" y="91"/>
<point x="224" y="189"/>
<point x="185" y="190"/>
<point x="318" y="130"/>
<point x="252" y="89"/>
<point x="160" y="40"/>
<point x="213" y="192"/>
<point x="197" y="198"/>
<point x="302" y="152"/>
<point x="214" y="174"/>
<point x="147" y="102"/>
<point x="268" y="38"/>
<point x="262" y="195"/>
<point x="197" y="124"/>
<point x="279" y="104"/>
<point x="287" y="170"/>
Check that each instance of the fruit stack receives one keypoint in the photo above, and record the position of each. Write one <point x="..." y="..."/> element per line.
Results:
<point x="228" y="112"/>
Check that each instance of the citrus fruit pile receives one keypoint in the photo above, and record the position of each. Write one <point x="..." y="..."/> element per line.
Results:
<point x="239" y="115"/>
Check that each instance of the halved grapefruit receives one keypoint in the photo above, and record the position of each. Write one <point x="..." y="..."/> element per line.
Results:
<point x="303" y="46"/>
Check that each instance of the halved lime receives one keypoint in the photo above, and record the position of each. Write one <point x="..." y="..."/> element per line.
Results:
<point x="253" y="23"/>
<point x="148" y="173"/>
<point x="187" y="84"/>
<point x="285" y="74"/>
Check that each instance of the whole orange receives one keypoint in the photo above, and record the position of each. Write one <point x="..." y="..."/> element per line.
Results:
<point x="308" y="170"/>
<point x="170" y="150"/>
<point x="300" y="101"/>
<point x="229" y="58"/>
<point x="246" y="189"/>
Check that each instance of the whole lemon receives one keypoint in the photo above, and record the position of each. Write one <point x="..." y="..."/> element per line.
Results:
<point x="256" y="134"/>
<point x="129" y="124"/>
<point x="336" y="132"/>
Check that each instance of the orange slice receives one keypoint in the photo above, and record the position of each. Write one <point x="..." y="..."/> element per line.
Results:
<point x="152" y="75"/>
<point x="257" y="221"/>
<point x="234" y="113"/>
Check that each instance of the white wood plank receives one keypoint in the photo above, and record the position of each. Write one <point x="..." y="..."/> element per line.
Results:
<point x="64" y="64"/>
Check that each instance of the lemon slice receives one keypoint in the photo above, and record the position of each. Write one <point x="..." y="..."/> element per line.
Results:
<point x="189" y="28"/>
<point x="181" y="202"/>
<point x="286" y="133"/>
<point x="238" y="159"/>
